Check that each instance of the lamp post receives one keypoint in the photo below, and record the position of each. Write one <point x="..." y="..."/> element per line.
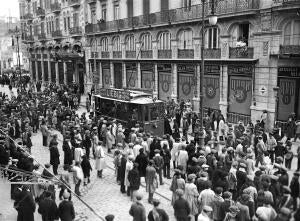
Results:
<point x="17" y="34"/>
<point x="212" y="21"/>
<point x="276" y="89"/>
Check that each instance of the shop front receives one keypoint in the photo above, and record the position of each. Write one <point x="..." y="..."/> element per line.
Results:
<point x="164" y="81"/>
<point x="147" y="74"/>
<point x="289" y="92"/>
<point x="239" y="93"/>
<point x="106" y="78"/>
<point x="211" y="87"/>
<point x="131" y="75"/>
<point x="186" y="80"/>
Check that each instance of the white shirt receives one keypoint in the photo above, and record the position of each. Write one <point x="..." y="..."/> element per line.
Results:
<point x="136" y="150"/>
<point x="78" y="153"/>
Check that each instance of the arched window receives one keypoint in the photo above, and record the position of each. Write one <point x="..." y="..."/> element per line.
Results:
<point x="146" y="42"/>
<point x="104" y="44"/>
<point x="130" y="43"/>
<point x="212" y="38"/>
<point x="291" y="33"/>
<point x="185" y="39"/>
<point x="116" y="44"/>
<point x="164" y="41"/>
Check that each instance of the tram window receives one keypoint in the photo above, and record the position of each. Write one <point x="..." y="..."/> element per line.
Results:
<point x="154" y="113"/>
<point x="146" y="112"/>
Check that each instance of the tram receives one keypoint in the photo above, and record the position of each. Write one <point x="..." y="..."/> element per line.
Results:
<point x="131" y="107"/>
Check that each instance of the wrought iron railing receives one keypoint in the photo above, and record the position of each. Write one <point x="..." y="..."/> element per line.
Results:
<point x="241" y="52"/>
<point x="286" y="2"/>
<point x="57" y="33"/>
<point x="74" y="3"/>
<point x="28" y="16"/>
<point x="56" y="7"/>
<point x="75" y="31"/>
<point x="185" y="53"/>
<point x="165" y="53"/>
<point x="212" y="53"/>
<point x="185" y="14"/>
<point x="236" y="117"/>
<point x="105" y="54"/>
<point x="117" y="54"/>
<point x="28" y="38"/>
<point x="130" y="54"/>
<point x="147" y="54"/>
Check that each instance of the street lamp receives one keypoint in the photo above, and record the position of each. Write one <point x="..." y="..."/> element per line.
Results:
<point x="212" y="21"/>
<point x="276" y="89"/>
<point x="17" y="34"/>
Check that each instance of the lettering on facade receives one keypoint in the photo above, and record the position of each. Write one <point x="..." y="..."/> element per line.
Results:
<point x="246" y="69"/>
<point x="289" y="72"/>
<point x="186" y="68"/>
<point x="114" y="94"/>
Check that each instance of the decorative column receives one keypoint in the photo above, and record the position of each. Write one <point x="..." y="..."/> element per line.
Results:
<point x="42" y="66"/>
<point x="124" y="82"/>
<point x="154" y="49"/>
<point x="36" y="70"/>
<point x="224" y="90"/>
<point x="100" y="75"/>
<point x="139" y="75"/>
<point x="56" y="73"/>
<point x="174" y="82"/>
<point x="196" y="98"/>
<point x="30" y="69"/>
<point x="65" y="73"/>
<point x="155" y="90"/>
<point x="49" y="68"/>
<point x="112" y="77"/>
<point x="174" y="48"/>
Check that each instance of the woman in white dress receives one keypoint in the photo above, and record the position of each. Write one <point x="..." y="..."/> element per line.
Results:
<point x="100" y="159"/>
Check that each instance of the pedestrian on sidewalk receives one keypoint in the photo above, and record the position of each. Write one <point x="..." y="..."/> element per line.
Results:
<point x="100" y="159"/>
<point x="157" y="213"/>
<point x="181" y="207"/>
<point x="151" y="180"/>
<point x="159" y="165"/>
<point x="78" y="177"/>
<point x="45" y="133"/>
<point x="54" y="157"/>
<point x="86" y="168"/>
<point x="134" y="180"/>
<point x="137" y="209"/>
<point x="48" y="208"/>
<point x="66" y="210"/>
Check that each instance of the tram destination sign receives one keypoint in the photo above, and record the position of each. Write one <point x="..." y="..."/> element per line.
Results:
<point x="114" y="94"/>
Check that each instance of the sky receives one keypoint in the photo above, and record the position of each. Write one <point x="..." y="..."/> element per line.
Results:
<point x="9" y="7"/>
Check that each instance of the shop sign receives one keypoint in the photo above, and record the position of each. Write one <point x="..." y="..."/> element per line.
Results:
<point x="185" y="68"/>
<point x="289" y="72"/>
<point x="240" y="70"/>
<point x="211" y="69"/>
<point x="114" y="94"/>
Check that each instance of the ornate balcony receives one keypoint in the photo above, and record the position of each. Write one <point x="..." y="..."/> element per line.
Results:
<point x="117" y="54"/>
<point x="185" y="53"/>
<point x="42" y="36"/>
<point x="40" y="12"/>
<point x="130" y="54"/>
<point x="28" y="17"/>
<point x="287" y="2"/>
<point x="212" y="53"/>
<point x="290" y="50"/>
<point x="105" y="54"/>
<point x="179" y="15"/>
<point x="57" y="34"/>
<point x="241" y="52"/>
<point x="28" y="38"/>
<point x="147" y="54"/>
<point x="56" y="7"/>
<point x="165" y="53"/>
<point x="75" y="31"/>
<point x="74" y="3"/>
<point x="94" y="55"/>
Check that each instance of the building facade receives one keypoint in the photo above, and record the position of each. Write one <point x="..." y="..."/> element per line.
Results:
<point x="156" y="45"/>
<point x="53" y="32"/>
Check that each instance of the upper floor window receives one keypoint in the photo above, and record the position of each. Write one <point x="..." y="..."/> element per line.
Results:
<point x="104" y="12"/>
<point x="146" y="42"/>
<point x="164" y="41"/>
<point x="93" y="15"/>
<point x="116" y="44"/>
<point x="104" y="44"/>
<point x="75" y="19"/>
<point x="116" y="12"/>
<point x="185" y="38"/>
<point x="212" y="38"/>
<point x="130" y="43"/>
<point x="292" y="33"/>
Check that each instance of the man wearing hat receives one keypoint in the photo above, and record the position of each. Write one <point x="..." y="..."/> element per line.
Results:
<point x="284" y="214"/>
<point x="109" y="217"/>
<point x="205" y="214"/>
<point x="137" y="209"/>
<point x="151" y="180"/>
<point x="181" y="207"/>
<point x="295" y="189"/>
<point x="66" y="210"/>
<point x="157" y="213"/>
<point x="261" y="149"/>
<point x="159" y="164"/>
<point x="48" y="208"/>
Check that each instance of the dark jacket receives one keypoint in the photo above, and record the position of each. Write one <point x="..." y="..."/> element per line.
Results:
<point x="295" y="187"/>
<point x="122" y="169"/>
<point x="86" y="167"/>
<point x="54" y="156"/>
<point x="142" y="160"/>
<point x="162" y="215"/>
<point x="48" y="210"/>
<point x="26" y="207"/>
<point x="66" y="211"/>
<point x="68" y="153"/>
<point x="134" y="179"/>
<point x="138" y="212"/>
<point x="181" y="209"/>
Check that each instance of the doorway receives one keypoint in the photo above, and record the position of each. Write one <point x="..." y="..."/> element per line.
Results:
<point x="118" y="75"/>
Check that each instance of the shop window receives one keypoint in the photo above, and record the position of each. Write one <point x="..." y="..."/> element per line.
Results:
<point x="116" y="44"/>
<point x="146" y="42"/>
<point x="130" y="43"/>
<point x="185" y="39"/>
<point x="212" y="38"/>
<point x="292" y="33"/>
<point x="164" y="41"/>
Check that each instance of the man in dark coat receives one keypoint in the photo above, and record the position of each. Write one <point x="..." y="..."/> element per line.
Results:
<point x="295" y="189"/>
<point x="159" y="164"/>
<point x="66" y="210"/>
<point x="181" y="207"/>
<point x="142" y="161"/>
<point x="137" y="209"/>
<point x="68" y="153"/>
<point x="25" y="205"/>
<point x="134" y="180"/>
<point x="54" y="157"/>
<point x="122" y="170"/>
<point x="48" y="208"/>
<point x="163" y="216"/>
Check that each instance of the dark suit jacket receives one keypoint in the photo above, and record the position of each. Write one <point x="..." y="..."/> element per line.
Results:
<point x="66" y="211"/>
<point x="54" y="156"/>
<point x="48" y="209"/>
<point x="181" y="209"/>
<point x="162" y="215"/>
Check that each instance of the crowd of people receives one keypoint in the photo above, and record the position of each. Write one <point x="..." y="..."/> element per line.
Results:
<point x="224" y="173"/>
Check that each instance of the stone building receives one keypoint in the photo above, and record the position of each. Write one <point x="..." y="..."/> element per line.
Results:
<point x="251" y="54"/>
<point x="53" y="32"/>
